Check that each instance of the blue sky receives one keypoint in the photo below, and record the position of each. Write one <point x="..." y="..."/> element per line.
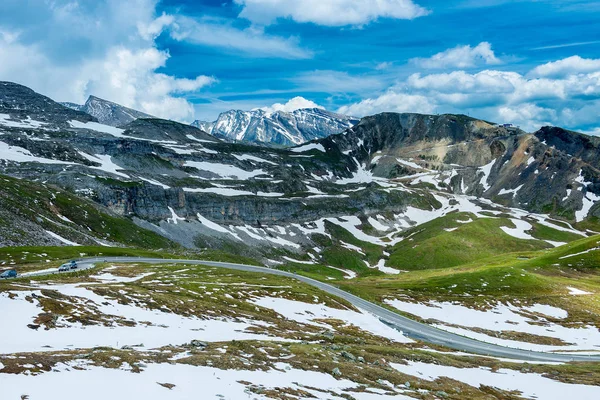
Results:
<point x="531" y="63"/>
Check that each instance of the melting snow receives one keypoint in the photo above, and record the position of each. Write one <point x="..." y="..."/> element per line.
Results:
<point x="62" y="239"/>
<point x="307" y="314"/>
<point x="519" y="231"/>
<point x="19" y="154"/>
<point x="107" y="165"/>
<point x="533" y="386"/>
<point x="95" y="126"/>
<point x="577" y="292"/>
<point x="486" y="169"/>
<point x="308" y="147"/>
<point x="191" y="382"/>
<point x="155" y="183"/>
<point x="224" y="170"/>
<point x="174" y="217"/>
<point x="164" y="327"/>
<point x="247" y="157"/>
<point x="508" y="191"/>
<point x="28" y="123"/>
<point x="505" y="318"/>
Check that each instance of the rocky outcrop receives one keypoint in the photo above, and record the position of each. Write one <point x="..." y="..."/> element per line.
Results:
<point x="107" y="112"/>
<point x="22" y="103"/>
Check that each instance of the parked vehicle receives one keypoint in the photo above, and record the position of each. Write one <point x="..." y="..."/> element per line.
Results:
<point x="64" y="268"/>
<point x="10" y="273"/>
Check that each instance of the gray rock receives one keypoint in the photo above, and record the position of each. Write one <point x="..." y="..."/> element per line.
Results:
<point x="199" y="344"/>
<point x="348" y="356"/>
<point x="107" y="112"/>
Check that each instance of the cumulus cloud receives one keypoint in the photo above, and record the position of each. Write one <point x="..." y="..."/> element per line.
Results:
<point x="111" y="54"/>
<point x="391" y="101"/>
<point x="297" y="103"/>
<point x="119" y="74"/>
<point x="329" y="13"/>
<point x="567" y="66"/>
<point x="570" y="98"/>
<point x="460" y="57"/>
<point x="130" y="78"/>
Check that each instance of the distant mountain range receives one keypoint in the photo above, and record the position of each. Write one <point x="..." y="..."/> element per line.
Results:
<point x="107" y="112"/>
<point x="279" y="128"/>
<point x="257" y="126"/>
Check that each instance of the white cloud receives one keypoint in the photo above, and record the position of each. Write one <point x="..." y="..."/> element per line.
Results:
<point x="390" y="102"/>
<point x="297" y="103"/>
<point x="460" y="57"/>
<point x="383" y="66"/>
<point x="155" y="27"/>
<point x="252" y="40"/>
<point x="329" y="12"/>
<point x="571" y="100"/>
<point x="116" y="59"/>
<point x="129" y="78"/>
<point x="567" y="66"/>
<point x="593" y="132"/>
<point x="122" y="75"/>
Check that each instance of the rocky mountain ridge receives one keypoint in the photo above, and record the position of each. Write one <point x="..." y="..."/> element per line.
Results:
<point x="107" y="112"/>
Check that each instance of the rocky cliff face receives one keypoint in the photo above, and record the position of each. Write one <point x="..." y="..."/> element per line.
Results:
<point x="551" y="170"/>
<point x="279" y="128"/>
<point x="107" y="112"/>
<point x="394" y="169"/>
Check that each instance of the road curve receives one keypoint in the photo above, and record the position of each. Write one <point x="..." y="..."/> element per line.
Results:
<point x="409" y="327"/>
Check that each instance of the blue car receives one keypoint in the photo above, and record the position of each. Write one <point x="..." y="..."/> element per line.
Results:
<point x="11" y="273"/>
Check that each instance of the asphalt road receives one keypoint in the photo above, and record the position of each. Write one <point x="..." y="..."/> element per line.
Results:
<point x="413" y="329"/>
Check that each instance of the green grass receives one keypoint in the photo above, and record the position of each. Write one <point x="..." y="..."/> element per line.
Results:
<point x="23" y="256"/>
<point x="224" y="256"/>
<point x="430" y="246"/>
<point x="543" y="232"/>
<point x="529" y="277"/>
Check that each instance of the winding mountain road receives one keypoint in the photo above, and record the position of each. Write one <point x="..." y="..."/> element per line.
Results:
<point x="413" y="329"/>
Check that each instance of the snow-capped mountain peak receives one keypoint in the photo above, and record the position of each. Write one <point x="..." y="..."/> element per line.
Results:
<point x="277" y="127"/>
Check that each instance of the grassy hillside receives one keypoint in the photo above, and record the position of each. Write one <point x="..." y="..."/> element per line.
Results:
<point x="547" y="277"/>
<point x="446" y="242"/>
<point x="30" y="210"/>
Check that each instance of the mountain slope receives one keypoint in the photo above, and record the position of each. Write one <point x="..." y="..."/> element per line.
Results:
<point x="550" y="171"/>
<point x="34" y="214"/>
<point x="281" y="128"/>
<point x="349" y="201"/>
<point x="107" y="112"/>
<point x="22" y="104"/>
